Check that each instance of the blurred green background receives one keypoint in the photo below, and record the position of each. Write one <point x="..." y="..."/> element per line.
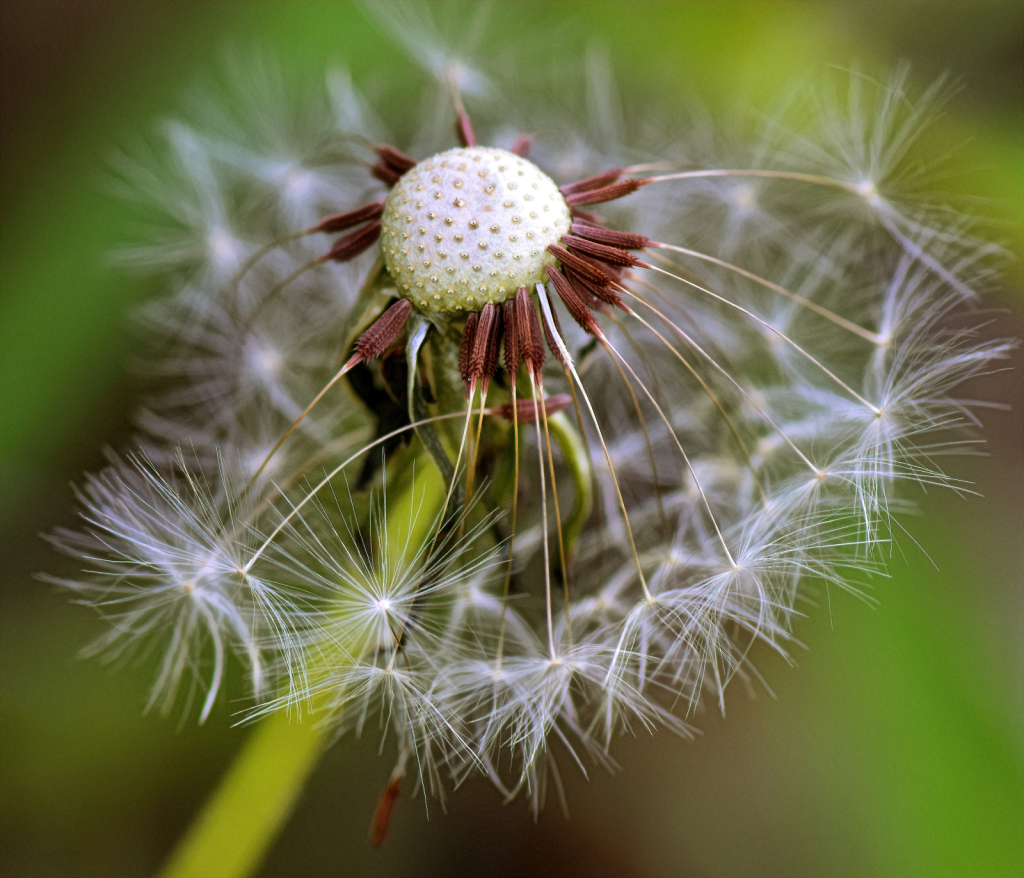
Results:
<point x="894" y="747"/>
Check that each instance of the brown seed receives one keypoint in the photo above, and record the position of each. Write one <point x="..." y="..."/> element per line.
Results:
<point x="572" y="301"/>
<point x="582" y="265"/>
<point x="493" y="345"/>
<point x="341" y="221"/>
<point x="606" y="193"/>
<point x="522" y="145"/>
<point x="385" y="173"/>
<point x="464" y="129"/>
<point x="611" y="255"/>
<point x="513" y="352"/>
<point x="383" y="331"/>
<point x="598" y="181"/>
<point x="481" y="355"/>
<point x="466" y="347"/>
<point x="552" y="344"/>
<point x="611" y="237"/>
<point x="382" y="816"/>
<point x="351" y="245"/>
<point x="526" y="411"/>
<point x="586" y="216"/>
<point x="394" y="159"/>
<point x="601" y="292"/>
<point x="530" y="341"/>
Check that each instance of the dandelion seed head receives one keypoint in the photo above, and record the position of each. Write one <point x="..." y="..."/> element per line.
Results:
<point x="470" y="226"/>
<point x="745" y="386"/>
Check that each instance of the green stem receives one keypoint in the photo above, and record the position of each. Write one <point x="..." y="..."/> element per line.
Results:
<point x="578" y="461"/>
<point x="234" y="831"/>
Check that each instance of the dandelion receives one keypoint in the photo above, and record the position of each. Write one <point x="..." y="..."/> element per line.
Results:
<point x="621" y="411"/>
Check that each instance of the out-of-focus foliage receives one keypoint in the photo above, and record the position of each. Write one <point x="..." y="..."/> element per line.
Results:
<point x="895" y="748"/>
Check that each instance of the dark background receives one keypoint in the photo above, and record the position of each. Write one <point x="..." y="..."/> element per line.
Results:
<point x="895" y="747"/>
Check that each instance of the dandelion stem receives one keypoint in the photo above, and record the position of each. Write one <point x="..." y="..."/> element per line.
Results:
<point x="234" y="831"/>
<point x="578" y="461"/>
